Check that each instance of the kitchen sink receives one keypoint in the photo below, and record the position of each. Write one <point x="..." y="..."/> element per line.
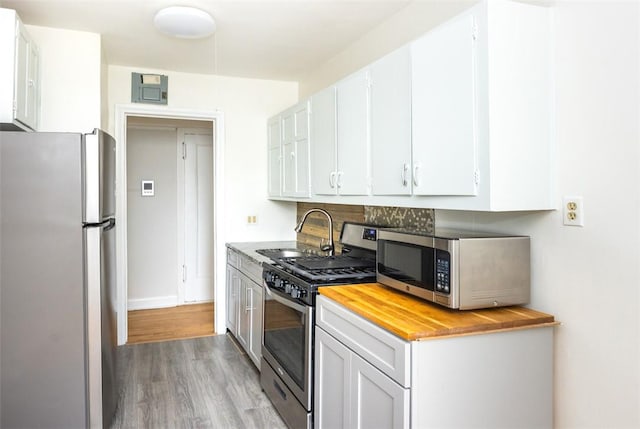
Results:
<point x="286" y="253"/>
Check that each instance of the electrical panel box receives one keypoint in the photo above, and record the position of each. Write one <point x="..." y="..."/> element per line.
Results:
<point x="149" y="88"/>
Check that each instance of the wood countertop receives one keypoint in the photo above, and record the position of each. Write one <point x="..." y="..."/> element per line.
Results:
<point x="414" y="319"/>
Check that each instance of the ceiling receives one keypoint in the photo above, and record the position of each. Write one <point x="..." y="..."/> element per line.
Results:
<point x="279" y="40"/>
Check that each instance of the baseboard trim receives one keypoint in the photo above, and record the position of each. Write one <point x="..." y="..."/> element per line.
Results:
<point x="154" y="302"/>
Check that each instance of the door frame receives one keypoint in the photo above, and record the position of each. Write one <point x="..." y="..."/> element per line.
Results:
<point x="122" y="112"/>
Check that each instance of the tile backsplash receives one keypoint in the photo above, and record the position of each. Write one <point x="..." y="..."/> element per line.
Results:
<point x="422" y="220"/>
<point x="315" y="229"/>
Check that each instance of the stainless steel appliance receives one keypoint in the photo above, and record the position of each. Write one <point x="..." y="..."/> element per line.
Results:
<point x="290" y="285"/>
<point x="457" y="269"/>
<point x="57" y="280"/>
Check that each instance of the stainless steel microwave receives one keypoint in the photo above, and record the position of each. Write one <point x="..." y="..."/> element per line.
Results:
<point x="457" y="269"/>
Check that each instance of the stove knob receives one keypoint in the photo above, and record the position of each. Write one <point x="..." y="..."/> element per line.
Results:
<point x="295" y="292"/>
<point x="277" y="281"/>
<point x="287" y="287"/>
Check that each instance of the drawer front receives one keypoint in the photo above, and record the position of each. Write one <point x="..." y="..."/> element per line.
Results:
<point x="233" y="258"/>
<point x="385" y="351"/>
<point x="251" y="269"/>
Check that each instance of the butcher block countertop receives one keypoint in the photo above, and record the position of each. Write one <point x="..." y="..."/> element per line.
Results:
<point x="415" y="319"/>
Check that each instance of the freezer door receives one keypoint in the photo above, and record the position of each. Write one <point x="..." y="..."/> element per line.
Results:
<point x="99" y="170"/>
<point x="101" y="327"/>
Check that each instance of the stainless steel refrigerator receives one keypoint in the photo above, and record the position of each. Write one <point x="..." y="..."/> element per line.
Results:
<point x="57" y="280"/>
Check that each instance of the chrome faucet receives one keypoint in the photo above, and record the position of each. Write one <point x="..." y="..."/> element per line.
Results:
<point x="327" y="247"/>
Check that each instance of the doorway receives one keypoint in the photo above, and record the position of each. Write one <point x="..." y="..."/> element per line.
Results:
<point x="203" y="131"/>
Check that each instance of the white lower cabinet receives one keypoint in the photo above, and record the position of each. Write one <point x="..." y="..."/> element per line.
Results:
<point x="244" y="303"/>
<point x="366" y="377"/>
<point x="351" y="393"/>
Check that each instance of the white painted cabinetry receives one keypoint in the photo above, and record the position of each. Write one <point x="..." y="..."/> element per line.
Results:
<point x="295" y="151"/>
<point x="323" y="142"/>
<point x="443" y="107"/>
<point x="352" y="393"/>
<point x="352" y="100"/>
<point x="288" y="152"/>
<point x="19" y="75"/>
<point x="274" y="156"/>
<point x="244" y="303"/>
<point x="461" y="118"/>
<point x="481" y="109"/>
<point x="367" y="377"/>
<point x="391" y="124"/>
<point x="340" y="137"/>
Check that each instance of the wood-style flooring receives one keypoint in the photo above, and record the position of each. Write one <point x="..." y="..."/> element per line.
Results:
<point x="203" y="383"/>
<point x="162" y="324"/>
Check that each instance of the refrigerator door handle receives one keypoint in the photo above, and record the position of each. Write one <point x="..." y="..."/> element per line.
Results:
<point x="110" y="224"/>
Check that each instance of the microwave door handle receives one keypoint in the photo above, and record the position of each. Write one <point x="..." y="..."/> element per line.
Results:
<point x="284" y="301"/>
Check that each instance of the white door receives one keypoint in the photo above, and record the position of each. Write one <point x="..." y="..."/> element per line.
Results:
<point x="197" y="208"/>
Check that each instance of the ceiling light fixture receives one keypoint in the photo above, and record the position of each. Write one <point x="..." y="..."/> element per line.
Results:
<point x="184" y="22"/>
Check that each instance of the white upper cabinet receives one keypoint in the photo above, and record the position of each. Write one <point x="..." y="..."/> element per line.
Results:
<point x="19" y="75"/>
<point x="323" y="142"/>
<point x="274" y="154"/>
<point x="295" y="151"/>
<point x="481" y="109"/>
<point x="288" y="153"/>
<point x="459" y="119"/>
<point x="391" y="124"/>
<point x="443" y="108"/>
<point x="352" y="99"/>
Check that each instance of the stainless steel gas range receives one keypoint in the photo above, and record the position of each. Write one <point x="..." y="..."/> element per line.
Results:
<point x="291" y="285"/>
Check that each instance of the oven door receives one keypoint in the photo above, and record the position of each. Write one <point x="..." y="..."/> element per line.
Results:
<point x="287" y="342"/>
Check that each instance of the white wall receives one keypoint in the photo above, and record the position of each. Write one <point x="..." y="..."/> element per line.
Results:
<point x="70" y="66"/>
<point x="399" y="29"/>
<point x="589" y="277"/>
<point x="152" y="221"/>
<point x="246" y="104"/>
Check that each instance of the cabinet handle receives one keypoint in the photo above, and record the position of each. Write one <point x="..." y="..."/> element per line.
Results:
<point x="415" y="175"/>
<point x="339" y="181"/>
<point x="405" y="170"/>
<point x="247" y="306"/>
<point x="293" y="155"/>
<point x="332" y="179"/>
<point x="31" y="83"/>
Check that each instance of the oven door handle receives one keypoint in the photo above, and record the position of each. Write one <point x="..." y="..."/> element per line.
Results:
<point x="284" y="301"/>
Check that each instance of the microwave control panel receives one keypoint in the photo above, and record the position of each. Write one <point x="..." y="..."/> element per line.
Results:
<point x="443" y="272"/>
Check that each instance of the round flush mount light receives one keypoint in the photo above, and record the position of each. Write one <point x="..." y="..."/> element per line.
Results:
<point x="184" y="22"/>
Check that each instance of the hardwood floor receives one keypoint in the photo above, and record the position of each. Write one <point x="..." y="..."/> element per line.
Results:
<point x="196" y="383"/>
<point x="162" y="324"/>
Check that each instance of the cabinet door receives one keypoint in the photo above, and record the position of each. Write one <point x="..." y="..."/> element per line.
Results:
<point x="331" y="394"/>
<point x="352" y="99"/>
<point x="295" y="151"/>
<point x="274" y="146"/>
<point x="391" y="124"/>
<point x="302" y="150"/>
<point x="444" y="110"/>
<point x="22" y="75"/>
<point x="244" y="312"/>
<point x="233" y="290"/>
<point x="376" y="400"/>
<point x="255" y="345"/>
<point x="323" y="142"/>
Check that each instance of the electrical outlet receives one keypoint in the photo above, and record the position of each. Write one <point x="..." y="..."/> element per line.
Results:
<point x="573" y="211"/>
<point x="252" y="219"/>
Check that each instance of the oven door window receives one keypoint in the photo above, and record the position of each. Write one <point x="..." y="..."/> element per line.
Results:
<point x="284" y="337"/>
<point x="407" y="263"/>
